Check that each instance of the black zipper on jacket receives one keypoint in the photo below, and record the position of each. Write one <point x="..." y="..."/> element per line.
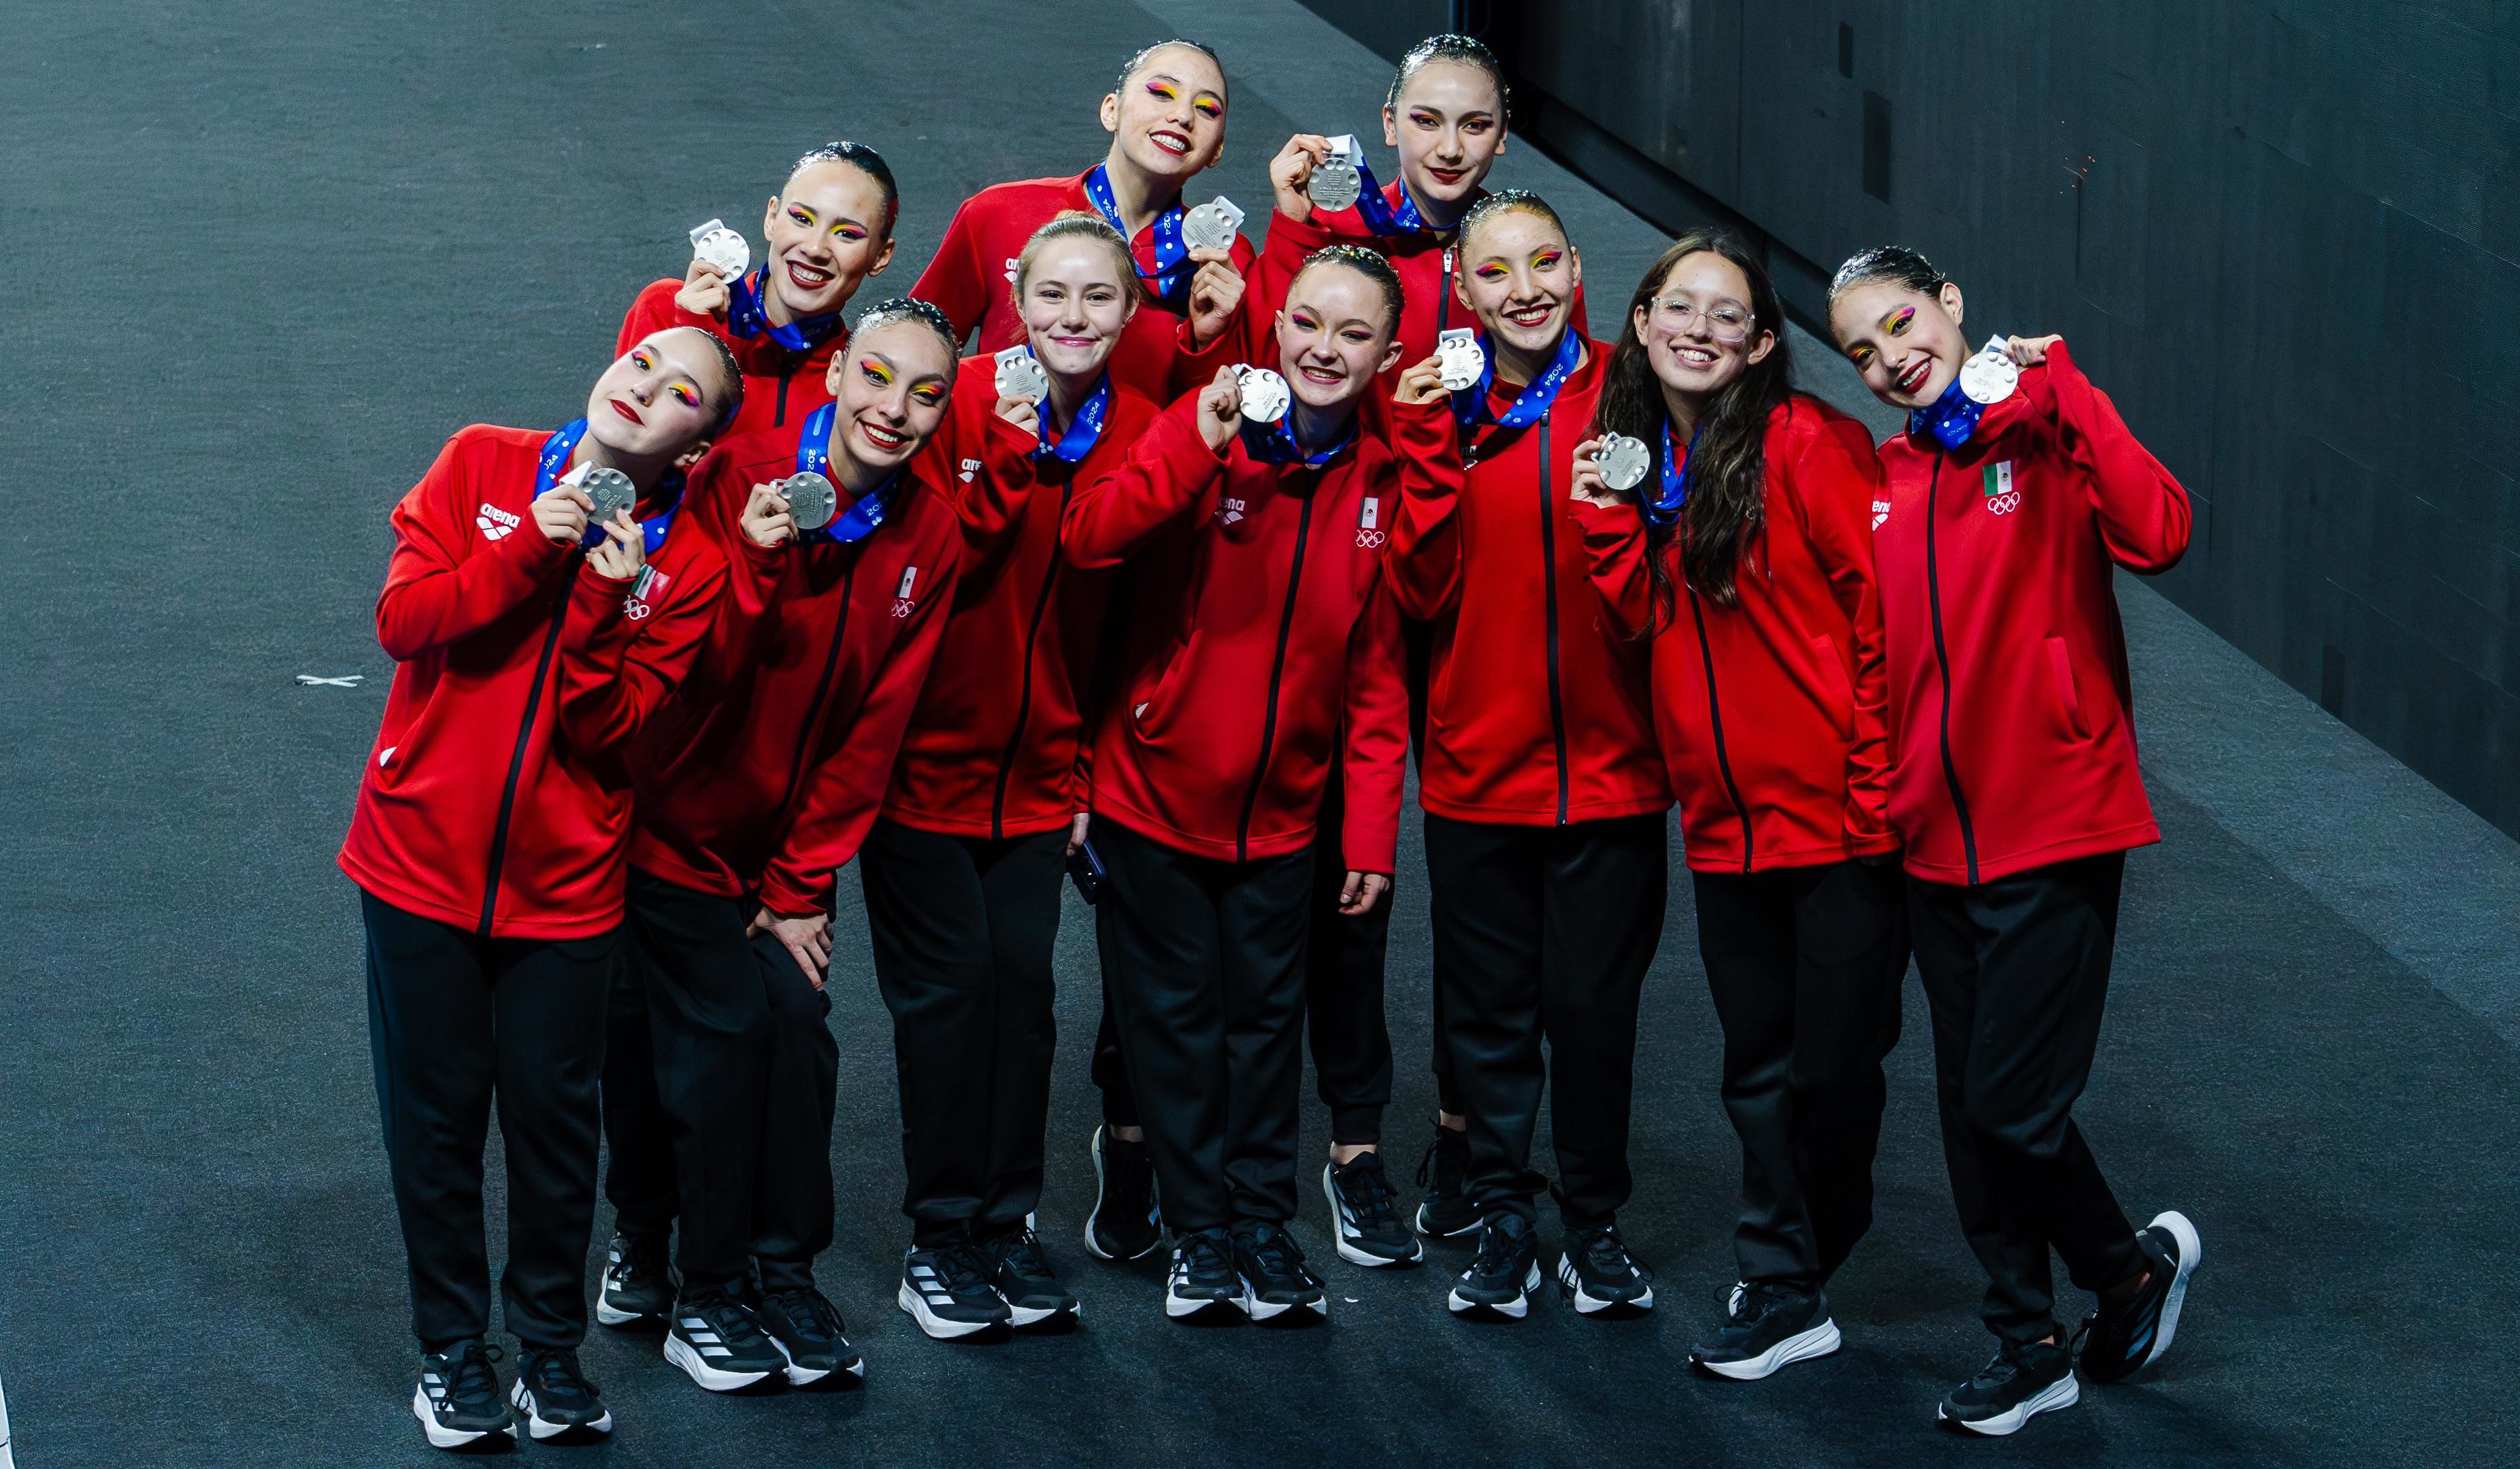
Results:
<point x="1943" y="661"/>
<point x="823" y="690"/>
<point x="787" y="374"/>
<point x="1277" y="672"/>
<point x="1023" y="699"/>
<point x="1444" y="297"/>
<point x="517" y="762"/>
<point x="1715" y="719"/>
<point x="1548" y="589"/>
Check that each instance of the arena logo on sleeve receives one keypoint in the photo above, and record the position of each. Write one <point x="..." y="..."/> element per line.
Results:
<point x="493" y="522"/>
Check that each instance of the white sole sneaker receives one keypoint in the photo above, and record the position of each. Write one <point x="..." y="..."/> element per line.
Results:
<point x="613" y="1316"/>
<point x="1802" y="1345"/>
<point x="448" y="1438"/>
<point x="1180" y="1308"/>
<point x="1587" y="1303"/>
<point x="1423" y="1228"/>
<point x="2066" y="1393"/>
<point x="687" y="1356"/>
<point x="2190" y="1251"/>
<point x="1091" y="1246"/>
<point x="805" y="1377"/>
<point x="543" y="1427"/>
<point x="1356" y="1254"/>
<point x="915" y="1305"/>
<point x="1515" y="1309"/>
<point x="1021" y="1317"/>
<point x="1269" y="1311"/>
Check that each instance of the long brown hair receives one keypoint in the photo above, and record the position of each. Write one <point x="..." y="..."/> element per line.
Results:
<point x="1728" y="470"/>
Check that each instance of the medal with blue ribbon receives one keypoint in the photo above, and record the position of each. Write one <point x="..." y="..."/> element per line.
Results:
<point x="748" y="319"/>
<point x="562" y="447"/>
<point x="1275" y="443"/>
<point x="1084" y="431"/>
<point x="1952" y="418"/>
<point x="1381" y="214"/>
<point x="1169" y="281"/>
<point x="1662" y="508"/>
<point x="1470" y="404"/>
<point x="867" y="512"/>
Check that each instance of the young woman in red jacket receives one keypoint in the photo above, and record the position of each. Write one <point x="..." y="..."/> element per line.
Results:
<point x="488" y="844"/>
<point x="2013" y="494"/>
<point x="1166" y="118"/>
<point x="1543" y="784"/>
<point x="753" y="790"/>
<point x="825" y="231"/>
<point x="964" y="867"/>
<point x="1262" y="648"/>
<point x="1745" y="555"/>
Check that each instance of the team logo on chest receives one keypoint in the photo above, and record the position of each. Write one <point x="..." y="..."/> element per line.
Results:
<point x="1368" y="524"/>
<point x="1880" y="513"/>
<point x="903" y="603"/>
<point x="970" y="466"/>
<point x="2001" y="497"/>
<point x="646" y="593"/>
<point x="493" y="522"/>
<point x="1228" y="510"/>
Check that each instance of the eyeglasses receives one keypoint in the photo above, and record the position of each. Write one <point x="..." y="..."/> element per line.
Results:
<point x="1727" y="322"/>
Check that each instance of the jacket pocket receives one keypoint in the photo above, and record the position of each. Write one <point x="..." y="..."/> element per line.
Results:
<point x="1150" y="703"/>
<point x="2060" y="666"/>
<point x="1837" y="691"/>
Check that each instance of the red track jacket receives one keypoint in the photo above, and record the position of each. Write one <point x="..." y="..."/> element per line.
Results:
<point x="767" y="773"/>
<point x="992" y="747"/>
<point x="1772" y="710"/>
<point x="496" y="796"/>
<point x="1259" y="622"/>
<point x="972" y="278"/>
<point x="779" y="386"/>
<point x="2011" y="741"/>
<point x="1538" y="710"/>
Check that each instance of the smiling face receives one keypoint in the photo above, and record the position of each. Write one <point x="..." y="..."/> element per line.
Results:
<point x="828" y="232"/>
<point x="1074" y="301"/>
<point x="1168" y="118"/>
<point x="660" y="399"/>
<point x="892" y="385"/>
<point x="1698" y="330"/>
<point x="1519" y="276"/>
<point x="1449" y="127"/>
<point x="1333" y="335"/>
<point x="1907" y="345"/>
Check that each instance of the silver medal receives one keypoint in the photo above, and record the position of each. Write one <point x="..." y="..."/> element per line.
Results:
<point x="1458" y="359"/>
<point x="1213" y="225"/>
<point x="1335" y="185"/>
<point x="1265" y="395"/>
<point x="722" y="247"/>
<point x="1623" y="461"/>
<point x="1989" y="377"/>
<point x="611" y="491"/>
<point x="1022" y="376"/>
<point x="811" y="499"/>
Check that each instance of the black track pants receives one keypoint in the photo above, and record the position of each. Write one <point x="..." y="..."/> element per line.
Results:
<point x="639" y="1167"/>
<point x="455" y="1020"/>
<point x="1343" y="994"/>
<point x="1546" y="932"/>
<point x="1804" y="964"/>
<point x="2016" y="974"/>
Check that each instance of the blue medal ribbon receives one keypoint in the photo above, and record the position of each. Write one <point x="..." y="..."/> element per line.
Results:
<point x="1170" y="280"/>
<point x="1084" y="431"/>
<point x="1381" y="214"/>
<point x="814" y="457"/>
<point x="1952" y="418"/>
<point x="1662" y="509"/>
<point x="1470" y="404"/>
<point x="750" y="319"/>
<point x="1275" y="443"/>
<point x="562" y="447"/>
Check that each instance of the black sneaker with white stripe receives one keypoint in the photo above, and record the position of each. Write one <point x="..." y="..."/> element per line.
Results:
<point x="1275" y="1281"/>
<point x="1505" y="1273"/>
<point x="2017" y="1386"/>
<point x="638" y="1283"/>
<point x="1766" y="1327"/>
<point x="948" y="1292"/>
<point x="720" y="1343"/>
<point x="1024" y="1281"/>
<point x="1203" y="1274"/>
<point x="1597" y="1272"/>
<point x="457" y="1399"/>
<point x="808" y="1331"/>
<point x="2118" y="1343"/>
<point x="1446" y="1212"/>
<point x="556" y="1399"/>
<point x="1370" y="1231"/>
<point x="1127" y="1222"/>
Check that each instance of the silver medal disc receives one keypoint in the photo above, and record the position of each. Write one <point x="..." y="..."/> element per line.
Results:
<point x="811" y="499"/>
<point x="1022" y="376"/>
<point x="1990" y="375"/>
<point x="1458" y="359"/>
<point x="1335" y="185"/>
<point x="722" y="247"/>
<point x="1213" y="225"/>
<point x="1623" y="461"/>
<point x="611" y="491"/>
<point x="1265" y="395"/>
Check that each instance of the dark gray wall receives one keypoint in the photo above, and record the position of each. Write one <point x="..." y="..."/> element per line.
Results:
<point x="2281" y="236"/>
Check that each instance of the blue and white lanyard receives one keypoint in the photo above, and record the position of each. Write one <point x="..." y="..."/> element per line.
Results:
<point x="557" y="453"/>
<point x="814" y="457"/>
<point x="1470" y="404"/>
<point x="748" y="319"/>
<point x="1170" y="280"/>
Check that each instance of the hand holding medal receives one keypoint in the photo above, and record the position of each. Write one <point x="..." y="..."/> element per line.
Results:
<point x="563" y="510"/>
<point x="1459" y="360"/>
<point x="1213" y="225"/>
<point x="1220" y="407"/>
<point x="1590" y="482"/>
<point x="765" y="521"/>
<point x="1336" y="182"/>
<point x="1290" y="173"/>
<point x="1989" y="377"/>
<point x="812" y="499"/>
<point x="719" y="257"/>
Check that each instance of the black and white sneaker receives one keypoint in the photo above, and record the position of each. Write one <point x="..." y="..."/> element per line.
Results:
<point x="457" y="1399"/>
<point x="1766" y="1327"/>
<point x="638" y="1282"/>
<point x="1127" y="1222"/>
<point x="1598" y="1273"/>
<point x="1370" y="1231"/>
<point x="720" y="1343"/>
<point x="556" y="1399"/>
<point x="1505" y="1273"/>
<point x="1275" y="1281"/>
<point x="2118" y="1344"/>
<point x="1024" y="1281"/>
<point x="2017" y="1386"/>
<point x="807" y="1329"/>
<point x="1446" y="1212"/>
<point x="947" y="1292"/>
<point x="1203" y="1274"/>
